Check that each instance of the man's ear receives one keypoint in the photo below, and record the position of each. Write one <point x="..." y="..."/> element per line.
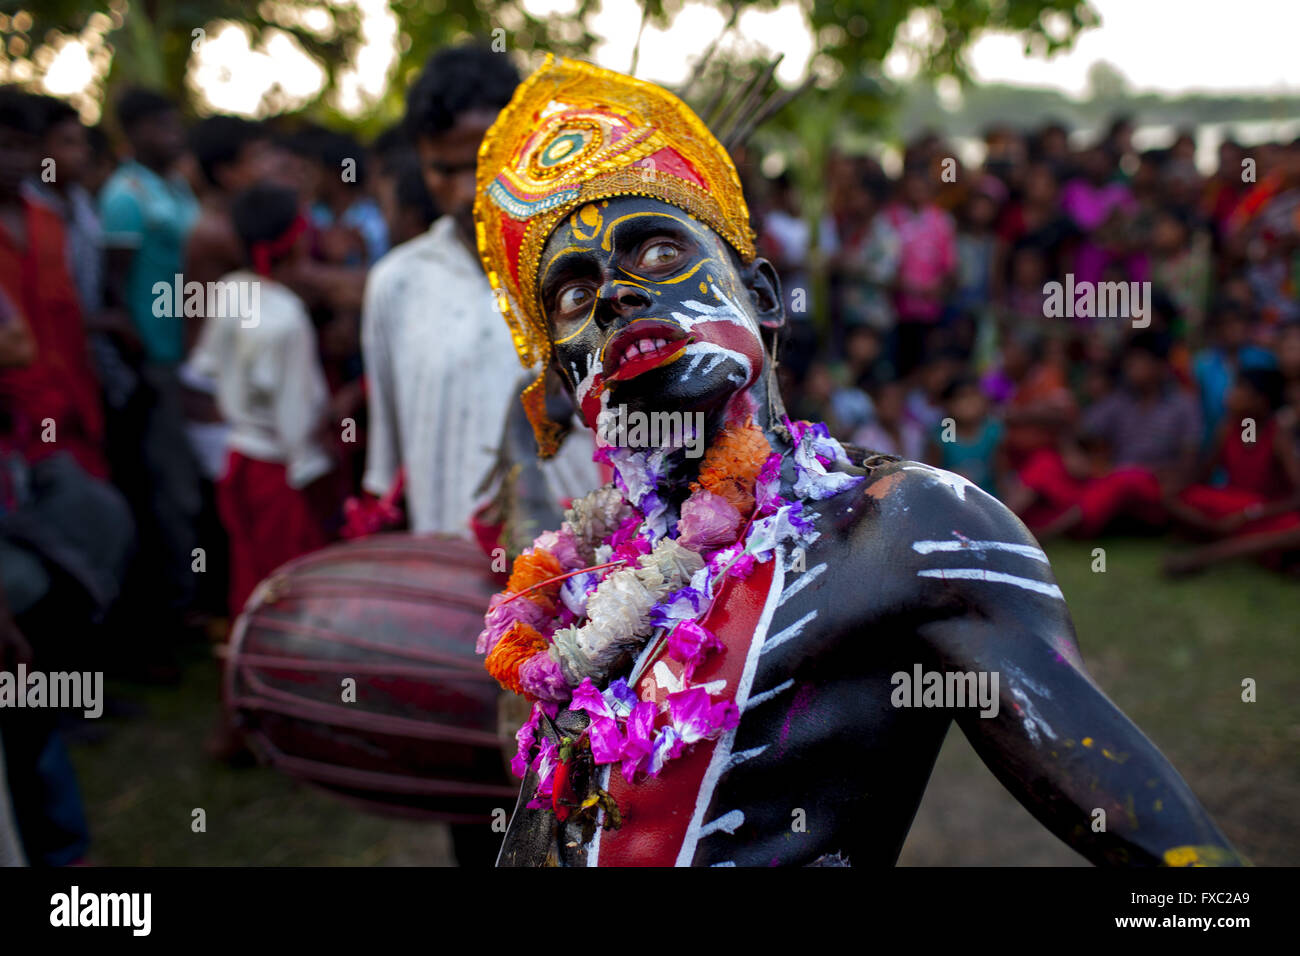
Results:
<point x="765" y="293"/>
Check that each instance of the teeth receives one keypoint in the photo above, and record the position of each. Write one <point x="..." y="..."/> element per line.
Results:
<point x="644" y="347"/>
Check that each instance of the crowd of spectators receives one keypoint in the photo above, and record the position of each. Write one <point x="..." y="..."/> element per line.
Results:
<point x="1102" y="337"/>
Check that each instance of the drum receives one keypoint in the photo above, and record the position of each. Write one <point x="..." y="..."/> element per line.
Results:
<point x="353" y="669"/>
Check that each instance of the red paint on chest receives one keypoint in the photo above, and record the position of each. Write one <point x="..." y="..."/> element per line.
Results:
<point x="657" y="812"/>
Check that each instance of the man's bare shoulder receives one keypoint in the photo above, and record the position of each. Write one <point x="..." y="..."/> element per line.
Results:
<point x="936" y="527"/>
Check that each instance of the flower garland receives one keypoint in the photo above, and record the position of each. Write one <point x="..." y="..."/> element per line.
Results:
<point x="583" y="601"/>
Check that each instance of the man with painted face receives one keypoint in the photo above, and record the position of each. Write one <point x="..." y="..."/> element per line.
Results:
<point x="752" y="657"/>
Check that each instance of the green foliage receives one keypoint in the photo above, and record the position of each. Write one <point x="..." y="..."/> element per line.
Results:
<point x="152" y="39"/>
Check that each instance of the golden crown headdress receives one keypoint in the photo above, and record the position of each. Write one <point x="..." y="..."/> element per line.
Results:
<point x="572" y="134"/>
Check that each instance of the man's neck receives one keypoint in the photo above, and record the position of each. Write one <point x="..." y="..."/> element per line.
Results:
<point x="759" y="404"/>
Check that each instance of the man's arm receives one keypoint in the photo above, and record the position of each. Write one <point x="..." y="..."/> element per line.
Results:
<point x="1061" y="747"/>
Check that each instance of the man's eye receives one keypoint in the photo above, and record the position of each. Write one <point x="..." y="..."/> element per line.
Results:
<point x="659" y="255"/>
<point x="572" y="298"/>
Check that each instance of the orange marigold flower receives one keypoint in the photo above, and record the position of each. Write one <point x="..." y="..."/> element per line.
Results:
<point x="518" y="644"/>
<point x="731" y="465"/>
<point x="534" y="568"/>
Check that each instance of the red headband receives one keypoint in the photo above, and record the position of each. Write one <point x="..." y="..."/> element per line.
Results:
<point x="266" y="251"/>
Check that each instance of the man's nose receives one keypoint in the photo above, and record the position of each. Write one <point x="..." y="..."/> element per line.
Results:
<point x="621" y="299"/>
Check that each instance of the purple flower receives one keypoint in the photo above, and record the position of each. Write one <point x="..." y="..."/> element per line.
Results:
<point x="586" y="697"/>
<point x="743" y="566"/>
<point x="620" y="698"/>
<point x="562" y="545"/>
<point x="525" y="736"/>
<point x="696" y="717"/>
<point x="683" y="604"/>
<point x="638" y="743"/>
<point x="540" y="676"/>
<point x="546" y="764"/>
<point x="667" y="746"/>
<point x="606" y="741"/>
<point x="768" y="485"/>
<point x="575" y="590"/>
<point x="803" y="525"/>
<point x="500" y="616"/>
<point x="691" y="644"/>
<point x="625" y="531"/>
<point x="631" y="550"/>
<point x="708" y="521"/>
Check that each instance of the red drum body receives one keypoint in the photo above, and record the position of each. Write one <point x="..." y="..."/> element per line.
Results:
<point x="398" y="614"/>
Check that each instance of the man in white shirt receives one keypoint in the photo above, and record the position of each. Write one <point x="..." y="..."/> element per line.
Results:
<point x="436" y="351"/>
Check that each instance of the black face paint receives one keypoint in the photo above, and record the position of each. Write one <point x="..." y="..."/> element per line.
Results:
<point x="647" y="309"/>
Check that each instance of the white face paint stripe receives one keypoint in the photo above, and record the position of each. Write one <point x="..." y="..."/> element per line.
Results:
<point x="801" y="582"/>
<point x="768" y="694"/>
<point x="992" y="577"/>
<point x="714" y="353"/>
<point x="791" y="632"/>
<point x="1025" y="550"/>
<point x="728" y="822"/>
<point x="722" y="752"/>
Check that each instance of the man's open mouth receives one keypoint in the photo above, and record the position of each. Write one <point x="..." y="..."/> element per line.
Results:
<point x="641" y="347"/>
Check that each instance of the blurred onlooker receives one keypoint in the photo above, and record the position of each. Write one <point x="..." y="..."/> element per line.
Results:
<point x="147" y="211"/>
<point x="434" y="377"/>
<point x="890" y="430"/>
<point x="968" y="440"/>
<point x="867" y="260"/>
<point x="65" y="534"/>
<point x="1215" y="367"/>
<point x="1180" y="264"/>
<point x="1259" y="460"/>
<point x="786" y="240"/>
<point x="351" y="223"/>
<point x="1033" y="396"/>
<point x="273" y="495"/>
<point x="924" y="403"/>
<point x="1149" y="422"/>
<point x="1095" y="200"/>
<point x="66" y="148"/>
<point x="407" y="206"/>
<point x="977" y="247"/>
<point x="927" y="263"/>
<point x="825" y="396"/>
<point x="233" y="154"/>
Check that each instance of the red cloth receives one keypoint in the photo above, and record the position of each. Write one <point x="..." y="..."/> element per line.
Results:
<point x="268" y="522"/>
<point x="60" y="384"/>
<point x="1253" y="466"/>
<point x="1219" y="503"/>
<point x="1131" y="491"/>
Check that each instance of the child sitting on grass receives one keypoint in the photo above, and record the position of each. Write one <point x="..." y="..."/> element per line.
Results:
<point x="1262" y="493"/>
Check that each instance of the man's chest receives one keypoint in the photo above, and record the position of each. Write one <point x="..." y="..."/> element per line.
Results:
<point x="779" y="632"/>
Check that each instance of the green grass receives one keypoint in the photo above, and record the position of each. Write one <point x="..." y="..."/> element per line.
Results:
<point x="1172" y="655"/>
<point x="142" y="783"/>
